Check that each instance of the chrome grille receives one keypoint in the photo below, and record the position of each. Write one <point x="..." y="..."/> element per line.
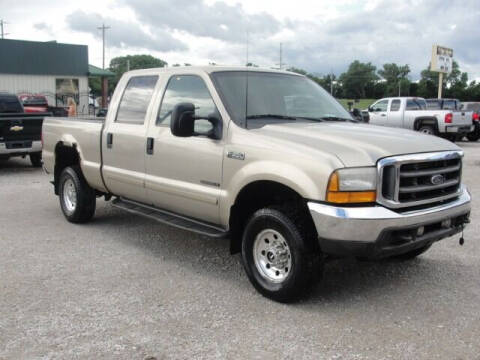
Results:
<point x="419" y="179"/>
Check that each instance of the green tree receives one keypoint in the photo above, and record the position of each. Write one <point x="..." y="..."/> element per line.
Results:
<point x="454" y="84"/>
<point x="395" y="78"/>
<point x="119" y="65"/>
<point x="357" y="78"/>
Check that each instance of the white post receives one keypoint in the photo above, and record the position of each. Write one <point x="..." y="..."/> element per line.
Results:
<point x="440" y="84"/>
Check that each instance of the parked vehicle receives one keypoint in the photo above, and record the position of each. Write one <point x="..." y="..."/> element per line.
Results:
<point x="443" y="104"/>
<point x="411" y="113"/>
<point x="283" y="171"/>
<point x="475" y="108"/>
<point x="19" y="132"/>
<point x="38" y="104"/>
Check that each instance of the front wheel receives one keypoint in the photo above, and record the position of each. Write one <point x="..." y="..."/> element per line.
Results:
<point x="276" y="256"/>
<point x="77" y="198"/>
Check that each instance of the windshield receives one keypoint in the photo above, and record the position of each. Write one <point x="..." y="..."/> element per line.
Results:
<point x="274" y="97"/>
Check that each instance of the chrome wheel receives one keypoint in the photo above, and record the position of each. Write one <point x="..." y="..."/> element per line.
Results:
<point x="272" y="256"/>
<point x="426" y="130"/>
<point x="69" y="195"/>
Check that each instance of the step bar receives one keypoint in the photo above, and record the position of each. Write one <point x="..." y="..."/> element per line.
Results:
<point x="169" y="218"/>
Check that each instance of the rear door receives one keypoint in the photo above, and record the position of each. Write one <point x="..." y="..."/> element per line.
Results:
<point x="395" y="116"/>
<point x="124" y="139"/>
<point x="378" y="115"/>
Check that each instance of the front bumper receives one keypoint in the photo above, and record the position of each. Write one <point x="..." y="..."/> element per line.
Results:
<point x="376" y="231"/>
<point x="17" y="148"/>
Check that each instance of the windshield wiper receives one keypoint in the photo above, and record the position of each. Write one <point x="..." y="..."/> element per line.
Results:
<point x="273" y="116"/>
<point x="335" y="118"/>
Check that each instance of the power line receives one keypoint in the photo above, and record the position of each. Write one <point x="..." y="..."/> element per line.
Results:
<point x="103" y="28"/>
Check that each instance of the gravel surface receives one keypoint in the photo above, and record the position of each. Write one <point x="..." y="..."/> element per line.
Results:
<point x="124" y="287"/>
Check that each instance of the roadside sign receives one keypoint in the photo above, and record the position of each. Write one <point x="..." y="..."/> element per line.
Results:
<point x="442" y="59"/>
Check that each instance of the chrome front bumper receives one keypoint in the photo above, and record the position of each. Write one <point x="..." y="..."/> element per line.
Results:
<point x="367" y="225"/>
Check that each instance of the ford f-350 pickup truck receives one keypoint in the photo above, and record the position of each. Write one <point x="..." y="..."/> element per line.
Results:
<point x="265" y="158"/>
<point x="413" y="113"/>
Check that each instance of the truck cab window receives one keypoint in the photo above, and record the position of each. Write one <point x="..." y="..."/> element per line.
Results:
<point x="380" y="106"/>
<point x="416" y="104"/>
<point x="135" y="100"/>
<point x="191" y="89"/>
<point x="395" y="105"/>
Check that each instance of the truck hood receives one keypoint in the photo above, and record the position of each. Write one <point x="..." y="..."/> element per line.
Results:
<point x="355" y="144"/>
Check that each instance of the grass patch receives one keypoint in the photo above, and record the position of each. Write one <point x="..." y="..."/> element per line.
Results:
<point x="363" y="104"/>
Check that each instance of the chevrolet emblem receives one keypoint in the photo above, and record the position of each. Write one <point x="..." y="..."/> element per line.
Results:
<point x="16" y="128"/>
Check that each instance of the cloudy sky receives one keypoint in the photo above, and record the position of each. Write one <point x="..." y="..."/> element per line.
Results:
<point x="318" y="35"/>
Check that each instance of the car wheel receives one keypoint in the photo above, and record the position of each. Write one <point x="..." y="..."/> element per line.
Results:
<point x="77" y="198"/>
<point x="473" y="136"/>
<point x="277" y="257"/>
<point x="427" y="130"/>
<point x="36" y="159"/>
<point x="413" y="254"/>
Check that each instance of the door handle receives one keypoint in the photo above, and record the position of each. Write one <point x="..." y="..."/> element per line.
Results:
<point x="150" y="142"/>
<point x="109" y="140"/>
<point x="383" y="115"/>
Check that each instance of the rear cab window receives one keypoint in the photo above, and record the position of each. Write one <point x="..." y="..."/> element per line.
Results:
<point x="433" y="105"/>
<point x="136" y="99"/>
<point x="416" y="104"/>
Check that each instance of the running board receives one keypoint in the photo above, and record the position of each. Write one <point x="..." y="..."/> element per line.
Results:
<point x="169" y="218"/>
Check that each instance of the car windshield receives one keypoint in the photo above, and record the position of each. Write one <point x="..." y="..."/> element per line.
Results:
<point x="275" y="97"/>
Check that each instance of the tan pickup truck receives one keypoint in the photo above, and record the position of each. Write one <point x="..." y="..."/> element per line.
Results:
<point x="265" y="158"/>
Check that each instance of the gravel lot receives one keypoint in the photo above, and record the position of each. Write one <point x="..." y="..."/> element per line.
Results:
<point x="125" y="287"/>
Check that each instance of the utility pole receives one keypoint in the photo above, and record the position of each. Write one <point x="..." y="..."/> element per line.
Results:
<point x="246" y="63"/>
<point x="280" y="63"/>
<point x="128" y="65"/>
<point x="440" y="84"/>
<point x="399" y="82"/>
<point x="2" y="23"/>
<point x="103" y="28"/>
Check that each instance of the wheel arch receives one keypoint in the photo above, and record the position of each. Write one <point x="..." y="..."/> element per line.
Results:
<point x="426" y="120"/>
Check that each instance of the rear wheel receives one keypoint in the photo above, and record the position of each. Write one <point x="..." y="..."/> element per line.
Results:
<point x="427" y="130"/>
<point x="36" y="159"/>
<point x="277" y="257"/>
<point x="473" y="136"/>
<point x="77" y="198"/>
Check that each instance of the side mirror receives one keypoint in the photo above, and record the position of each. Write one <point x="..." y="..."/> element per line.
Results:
<point x="356" y="113"/>
<point x="183" y="119"/>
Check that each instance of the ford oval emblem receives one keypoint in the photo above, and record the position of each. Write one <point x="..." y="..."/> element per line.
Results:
<point x="437" y="179"/>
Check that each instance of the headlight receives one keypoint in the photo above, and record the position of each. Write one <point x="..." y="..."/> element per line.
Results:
<point x="352" y="185"/>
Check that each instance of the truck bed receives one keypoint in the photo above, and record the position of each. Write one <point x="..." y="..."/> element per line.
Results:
<point x="84" y="133"/>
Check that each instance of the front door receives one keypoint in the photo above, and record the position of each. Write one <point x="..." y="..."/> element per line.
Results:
<point x="184" y="174"/>
<point x="124" y="138"/>
<point x="378" y="115"/>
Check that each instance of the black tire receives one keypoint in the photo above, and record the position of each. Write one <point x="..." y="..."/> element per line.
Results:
<point x="36" y="159"/>
<point x="473" y="136"/>
<point x="427" y="130"/>
<point x="85" y="197"/>
<point x="413" y="254"/>
<point x="305" y="263"/>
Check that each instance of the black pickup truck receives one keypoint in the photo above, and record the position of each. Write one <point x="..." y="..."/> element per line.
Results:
<point x="20" y="132"/>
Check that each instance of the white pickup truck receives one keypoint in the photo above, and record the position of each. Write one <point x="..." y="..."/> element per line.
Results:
<point x="412" y="113"/>
<point x="265" y="158"/>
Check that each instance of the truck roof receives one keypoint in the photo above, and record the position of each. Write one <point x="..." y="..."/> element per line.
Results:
<point x="207" y="69"/>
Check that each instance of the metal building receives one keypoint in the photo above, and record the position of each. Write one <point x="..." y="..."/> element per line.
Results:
<point x="57" y="71"/>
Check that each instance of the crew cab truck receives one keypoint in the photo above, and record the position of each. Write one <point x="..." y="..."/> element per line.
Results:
<point x="265" y="158"/>
<point x="412" y="113"/>
<point x="19" y="132"/>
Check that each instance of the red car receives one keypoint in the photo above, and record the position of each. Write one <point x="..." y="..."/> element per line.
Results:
<point x="34" y="103"/>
